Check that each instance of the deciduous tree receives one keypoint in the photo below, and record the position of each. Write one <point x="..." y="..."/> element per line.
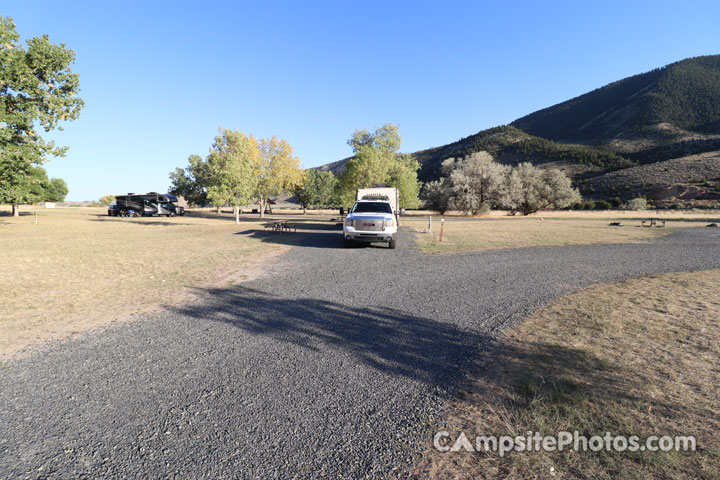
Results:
<point x="230" y="179"/>
<point x="191" y="182"/>
<point x="476" y="182"/>
<point x="106" y="199"/>
<point x="529" y="189"/>
<point x="436" y="195"/>
<point x="57" y="190"/>
<point x="275" y="170"/>
<point x="376" y="161"/>
<point x="37" y="87"/>
<point x="316" y="189"/>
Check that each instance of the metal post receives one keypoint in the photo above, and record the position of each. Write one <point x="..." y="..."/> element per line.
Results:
<point x="430" y="223"/>
<point x="442" y="224"/>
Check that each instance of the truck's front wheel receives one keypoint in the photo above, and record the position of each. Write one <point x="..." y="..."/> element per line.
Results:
<point x="347" y="243"/>
<point x="391" y="243"/>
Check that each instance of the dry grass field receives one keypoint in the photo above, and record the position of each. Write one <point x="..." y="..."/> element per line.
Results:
<point x="77" y="268"/>
<point x="546" y="229"/>
<point x="638" y="357"/>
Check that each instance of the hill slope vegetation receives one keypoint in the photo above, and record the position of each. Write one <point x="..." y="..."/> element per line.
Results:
<point x="667" y="113"/>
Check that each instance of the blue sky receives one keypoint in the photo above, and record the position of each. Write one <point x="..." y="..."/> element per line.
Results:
<point x="160" y="78"/>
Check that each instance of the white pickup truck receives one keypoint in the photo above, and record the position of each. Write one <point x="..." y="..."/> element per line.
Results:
<point x="373" y="218"/>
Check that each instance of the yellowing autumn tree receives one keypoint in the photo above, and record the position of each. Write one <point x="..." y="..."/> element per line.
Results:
<point x="230" y="170"/>
<point x="276" y="170"/>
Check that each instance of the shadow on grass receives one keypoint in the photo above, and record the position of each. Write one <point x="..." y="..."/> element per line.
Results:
<point x="552" y="381"/>
<point x="148" y="221"/>
<point x="9" y="214"/>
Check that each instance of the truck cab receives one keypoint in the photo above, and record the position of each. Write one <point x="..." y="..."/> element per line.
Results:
<point x="371" y="219"/>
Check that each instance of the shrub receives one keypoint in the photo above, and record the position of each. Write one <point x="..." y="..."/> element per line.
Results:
<point x="637" y="204"/>
<point x="436" y="195"/>
<point x="603" y="205"/>
<point x="529" y="189"/>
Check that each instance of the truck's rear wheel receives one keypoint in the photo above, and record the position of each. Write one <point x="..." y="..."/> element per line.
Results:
<point x="391" y="243"/>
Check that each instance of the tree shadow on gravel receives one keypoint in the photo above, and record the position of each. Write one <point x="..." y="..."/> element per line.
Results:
<point x="303" y="237"/>
<point x="387" y="340"/>
<point x="422" y="349"/>
<point x="322" y="235"/>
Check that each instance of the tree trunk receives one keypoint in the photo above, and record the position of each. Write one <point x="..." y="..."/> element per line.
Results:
<point x="304" y="210"/>
<point x="237" y="214"/>
<point x="217" y="209"/>
<point x="15" y="210"/>
<point x="261" y="202"/>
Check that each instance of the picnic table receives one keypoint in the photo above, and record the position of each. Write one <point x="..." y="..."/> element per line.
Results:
<point x="653" y="222"/>
<point x="281" y="226"/>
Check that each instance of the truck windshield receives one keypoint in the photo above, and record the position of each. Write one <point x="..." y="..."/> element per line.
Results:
<point x="371" y="207"/>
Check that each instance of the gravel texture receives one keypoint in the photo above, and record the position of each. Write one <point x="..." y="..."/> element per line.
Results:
<point x="333" y="366"/>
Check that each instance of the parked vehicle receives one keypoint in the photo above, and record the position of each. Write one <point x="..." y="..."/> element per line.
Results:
<point x="153" y="203"/>
<point x="373" y="217"/>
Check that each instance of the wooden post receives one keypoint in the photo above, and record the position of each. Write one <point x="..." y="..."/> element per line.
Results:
<point x="442" y="225"/>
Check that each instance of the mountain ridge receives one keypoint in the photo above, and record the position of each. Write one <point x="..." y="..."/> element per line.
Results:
<point x="668" y="112"/>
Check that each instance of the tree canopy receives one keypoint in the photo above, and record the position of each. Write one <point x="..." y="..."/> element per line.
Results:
<point x="37" y="87"/>
<point x="238" y="169"/>
<point x="316" y="189"/>
<point x="276" y="170"/>
<point x="230" y="179"/>
<point x="376" y="161"/>
<point x="191" y="182"/>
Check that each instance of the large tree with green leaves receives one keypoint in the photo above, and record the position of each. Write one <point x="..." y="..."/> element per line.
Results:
<point x="376" y="161"/>
<point x="230" y="165"/>
<point x="276" y="170"/>
<point x="56" y="190"/>
<point x="37" y="87"/>
<point x="191" y="182"/>
<point x="316" y="189"/>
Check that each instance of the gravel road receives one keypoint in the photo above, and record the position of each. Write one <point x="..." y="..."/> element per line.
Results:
<point x="332" y="366"/>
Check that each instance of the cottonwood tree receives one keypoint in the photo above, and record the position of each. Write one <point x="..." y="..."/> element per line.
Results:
<point x="403" y="176"/>
<point x="315" y="189"/>
<point x="275" y="170"/>
<point x="107" y="199"/>
<point x="37" y="87"/>
<point x="230" y="179"/>
<point x="191" y="182"/>
<point x="56" y="190"/>
<point x="476" y="182"/>
<point x="376" y="161"/>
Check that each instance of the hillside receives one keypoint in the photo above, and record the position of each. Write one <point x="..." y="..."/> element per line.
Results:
<point x="668" y="113"/>
<point x="511" y="146"/>
<point x="686" y="179"/>
<point x="682" y="97"/>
